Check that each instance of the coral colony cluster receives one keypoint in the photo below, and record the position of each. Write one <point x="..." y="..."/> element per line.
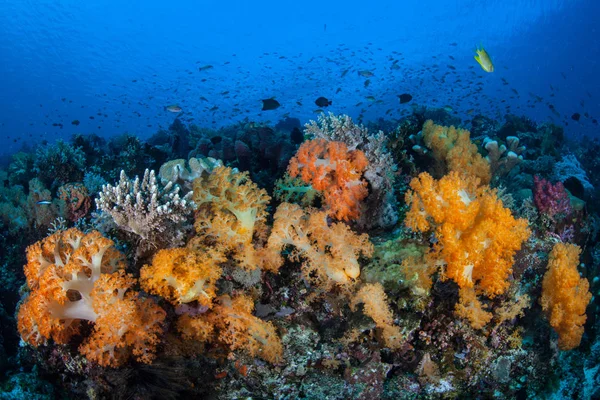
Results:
<point x="417" y="263"/>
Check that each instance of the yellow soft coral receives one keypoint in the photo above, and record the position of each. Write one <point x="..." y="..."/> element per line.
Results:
<point x="476" y="236"/>
<point x="330" y="252"/>
<point x="231" y="213"/>
<point x="375" y="305"/>
<point x="230" y="322"/>
<point x="182" y="275"/>
<point x="452" y="148"/>
<point x="565" y="295"/>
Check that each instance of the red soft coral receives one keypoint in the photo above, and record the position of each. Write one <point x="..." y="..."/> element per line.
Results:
<point x="565" y="295"/>
<point x="76" y="277"/>
<point x="329" y="167"/>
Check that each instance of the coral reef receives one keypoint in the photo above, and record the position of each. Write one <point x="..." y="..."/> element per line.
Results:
<point x="227" y="277"/>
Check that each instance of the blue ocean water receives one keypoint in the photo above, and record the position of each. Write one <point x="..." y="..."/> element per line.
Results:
<point x="114" y="66"/>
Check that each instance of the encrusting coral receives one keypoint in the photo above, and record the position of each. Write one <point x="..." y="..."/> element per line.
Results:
<point x="76" y="277"/>
<point x="565" y="295"/>
<point x="336" y="171"/>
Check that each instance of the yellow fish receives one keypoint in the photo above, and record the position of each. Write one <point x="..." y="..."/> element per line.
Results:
<point x="483" y="58"/>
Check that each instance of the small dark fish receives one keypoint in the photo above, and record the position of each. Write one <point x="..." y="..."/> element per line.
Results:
<point x="296" y="136"/>
<point x="322" y="102"/>
<point x="366" y="73"/>
<point x="452" y="67"/>
<point x="205" y="68"/>
<point x="174" y="108"/>
<point x="367" y="83"/>
<point x="338" y="90"/>
<point x="43" y="202"/>
<point x="575" y="117"/>
<point x="75" y="122"/>
<point x="270" y="104"/>
<point x="345" y="72"/>
<point x="453" y="44"/>
<point x="405" y="98"/>
<point x="216" y="139"/>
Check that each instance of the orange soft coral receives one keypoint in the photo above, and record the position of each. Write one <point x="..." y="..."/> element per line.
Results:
<point x="476" y="236"/>
<point x="565" y="295"/>
<point x="375" y="306"/>
<point x="75" y="277"/>
<point x="329" y="167"/>
<point x="182" y="275"/>
<point x="230" y="322"/>
<point x="232" y="212"/>
<point x="330" y="253"/>
<point x="453" y="150"/>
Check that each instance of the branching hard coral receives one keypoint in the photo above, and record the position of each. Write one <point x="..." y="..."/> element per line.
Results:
<point x="155" y="216"/>
<point x="230" y="322"/>
<point x="330" y="253"/>
<point x="232" y="213"/>
<point x="76" y="277"/>
<point x="453" y="150"/>
<point x="336" y="171"/>
<point x="182" y="275"/>
<point x="565" y="295"/>
<point x="375" y="305"/>
<point x="380" y="207"/>
<point x="476" y="236"/>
